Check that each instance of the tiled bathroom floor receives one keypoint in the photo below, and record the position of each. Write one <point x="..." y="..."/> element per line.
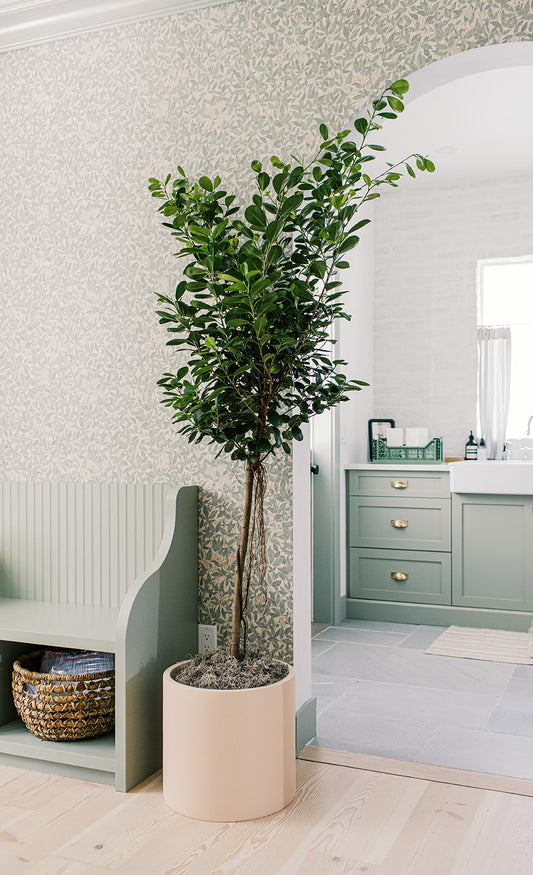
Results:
<point x="379" y="693"/>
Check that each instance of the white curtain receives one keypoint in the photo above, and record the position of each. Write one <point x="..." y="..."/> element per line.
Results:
<point x="494" y="389"/>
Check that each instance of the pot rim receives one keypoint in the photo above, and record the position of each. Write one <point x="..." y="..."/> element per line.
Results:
<point x="167" y="676"/>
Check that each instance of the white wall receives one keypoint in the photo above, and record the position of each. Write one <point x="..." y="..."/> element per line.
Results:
<point x="428" y="240"/>
<point x="301" y="517"/>
<point x="355" y="345"/>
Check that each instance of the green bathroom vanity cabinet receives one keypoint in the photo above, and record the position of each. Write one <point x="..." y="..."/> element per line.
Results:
<point x="417" y="555"/>
<point x="493" y="557"/>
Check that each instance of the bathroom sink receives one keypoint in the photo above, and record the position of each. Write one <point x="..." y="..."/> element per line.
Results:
<point x="505" y="478"/>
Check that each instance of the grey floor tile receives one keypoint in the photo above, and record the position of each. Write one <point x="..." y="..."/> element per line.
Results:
<point x="361" y="636"/>
<point x="381" y="734"/>
<point x="402" y="703"/>
<point x="328" y="689"/>
<point x="518" y="696"/>
<point x="480" y="751"/>
<point x="378" y="626"/>
<point x="413" y="667"/>
<point x="318" y="647"/>
<point x="510" y="722"/>
<point x="416" y="704"/>
<point x="523" y="671"/>
<point x="513" y="713"/>
<point x="422" y="637"/>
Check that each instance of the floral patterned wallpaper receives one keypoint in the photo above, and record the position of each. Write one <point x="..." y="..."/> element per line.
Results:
<point x="83" y="123"/>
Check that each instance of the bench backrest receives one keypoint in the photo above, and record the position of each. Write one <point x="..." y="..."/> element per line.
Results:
<point x="77" y="543"/>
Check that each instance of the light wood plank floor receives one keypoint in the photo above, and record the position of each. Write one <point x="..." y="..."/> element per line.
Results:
<point x="343" y="820"/>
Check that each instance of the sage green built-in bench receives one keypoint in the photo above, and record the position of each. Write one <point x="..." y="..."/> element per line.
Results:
<point x="110" y="567"/>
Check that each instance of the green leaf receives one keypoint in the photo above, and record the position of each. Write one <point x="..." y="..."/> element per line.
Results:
<point x="377" y="148"/>
<point x="360" y="224"/>
<point x="229" y="277"/>
<point x="395" y="104"/>
<point x="324" y="133"/>
<point x="410" y="170"/>
<point x="255" y="216"/>
<point x="348" y="244"/>
<point x="361" y="125"/>
<point x="263" y="181"/>
<point x="401" y="86"/>
<point x="291" y="203"/>
<point x="272" y="230"/>
<point x="278" y="182"/>
<point x="318" y="269"/>
<point x="206" y="183"/>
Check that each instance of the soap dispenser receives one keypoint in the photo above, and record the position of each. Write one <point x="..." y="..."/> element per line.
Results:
<point x="471" y="448"/>
<point x="482" y="451"/>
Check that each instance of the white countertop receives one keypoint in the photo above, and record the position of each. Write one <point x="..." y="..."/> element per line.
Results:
<point x="396" y="466"/>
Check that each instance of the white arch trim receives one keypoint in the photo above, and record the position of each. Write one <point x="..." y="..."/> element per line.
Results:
<point x="479" y="60"/>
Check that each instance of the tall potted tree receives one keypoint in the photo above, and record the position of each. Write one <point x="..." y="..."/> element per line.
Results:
<point x="252" y="317"/>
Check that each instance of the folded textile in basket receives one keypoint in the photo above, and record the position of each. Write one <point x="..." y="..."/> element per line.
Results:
<point x="74" y="662"/>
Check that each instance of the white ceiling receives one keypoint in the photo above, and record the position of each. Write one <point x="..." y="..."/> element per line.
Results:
<point x="476" y="126"/>
<point x="27" y="22"/>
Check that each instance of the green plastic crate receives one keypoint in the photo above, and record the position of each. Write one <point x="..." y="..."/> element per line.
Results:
<point x="432" y="453"/>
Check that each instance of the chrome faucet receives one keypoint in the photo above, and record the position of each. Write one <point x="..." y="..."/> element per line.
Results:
<point x="529" y="425"/>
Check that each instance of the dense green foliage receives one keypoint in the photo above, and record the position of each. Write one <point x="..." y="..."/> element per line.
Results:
<point x="261" y="288"/>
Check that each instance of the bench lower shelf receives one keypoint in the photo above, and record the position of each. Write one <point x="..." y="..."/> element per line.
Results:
<point x="93" y="756"/>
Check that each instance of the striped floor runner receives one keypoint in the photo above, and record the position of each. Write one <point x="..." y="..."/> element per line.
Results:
<point x="494" y="645"/>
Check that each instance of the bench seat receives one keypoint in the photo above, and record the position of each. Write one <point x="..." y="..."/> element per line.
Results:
<point x="55" y="625"/>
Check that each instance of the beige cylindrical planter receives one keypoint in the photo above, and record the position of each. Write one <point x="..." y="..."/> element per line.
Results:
<point x="228" y="754"/>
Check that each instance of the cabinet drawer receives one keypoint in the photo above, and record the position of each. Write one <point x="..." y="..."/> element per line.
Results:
<point x="397" y="483"/>
<point x="416" y="524"/>
<point x="401" y="576"/>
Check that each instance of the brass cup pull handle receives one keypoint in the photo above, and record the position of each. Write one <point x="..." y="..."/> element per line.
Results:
<point x="399" y="484"/>
<point x="399" y="524"/>
<point x="399" y="575"/>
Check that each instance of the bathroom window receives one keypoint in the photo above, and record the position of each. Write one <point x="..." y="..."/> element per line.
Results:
<point x="505" y="297"/>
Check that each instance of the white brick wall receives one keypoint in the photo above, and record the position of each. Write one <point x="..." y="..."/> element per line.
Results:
<point x="428" y="240"/>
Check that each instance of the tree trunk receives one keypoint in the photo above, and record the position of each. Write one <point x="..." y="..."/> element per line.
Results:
<point x="235" y="647"/>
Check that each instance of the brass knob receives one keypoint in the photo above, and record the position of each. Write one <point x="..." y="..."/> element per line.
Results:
<point x="399" y="575"/>
<point x="399" y="484"/>
<point x="399" y="524"/>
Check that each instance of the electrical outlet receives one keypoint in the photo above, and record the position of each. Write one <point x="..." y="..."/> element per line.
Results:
<point x="207" y="638"/>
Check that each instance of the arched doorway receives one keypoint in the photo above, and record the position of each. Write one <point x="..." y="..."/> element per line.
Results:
<point x="354" y="421"/>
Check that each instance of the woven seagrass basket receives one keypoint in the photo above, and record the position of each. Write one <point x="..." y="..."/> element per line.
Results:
<point x="63" y="707"/>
